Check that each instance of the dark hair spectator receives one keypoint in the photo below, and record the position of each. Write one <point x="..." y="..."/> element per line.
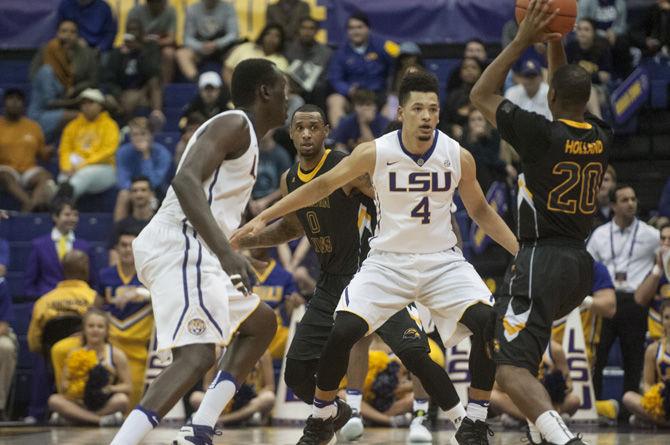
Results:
<point x="627" y="246"/>
<point x="591" y="52"/>
<point x="43" y="267"/>
<point x="131" y="76"/>
<point x="364" y="124"/>
<point x="141" y="156"/>
<point x="21" y="144"/>
<point x="457" y="106"/>
<point x="140" y="208"/>
<point x="60" y="70"/>
<point x="288" y="14"/>
<point x="268" y="45"/>
<point x="308" y="63"/>
<point x="363" y="61"/>
<point x="610" y="18"/>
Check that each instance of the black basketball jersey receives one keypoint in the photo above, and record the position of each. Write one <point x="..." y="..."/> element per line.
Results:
<point x="563" y="164"/>
<point x="337" y="226"/>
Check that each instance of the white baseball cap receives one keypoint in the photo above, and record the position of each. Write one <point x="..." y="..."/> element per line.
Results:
<point x="210" y="79"/>
<point x="92" y="94"/>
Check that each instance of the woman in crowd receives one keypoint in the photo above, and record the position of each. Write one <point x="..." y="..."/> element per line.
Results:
<point x="654" y="406"/>
<point x="96" y="378"/>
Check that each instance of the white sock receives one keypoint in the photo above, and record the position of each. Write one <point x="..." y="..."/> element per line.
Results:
<point x="535" y="435"/>
<point x="456" y="414"/>
<point x="137" y="425"/>
<point x="478" y="409"/>
<point x="323" y="409"/>
<point x="219" y="393"/>
<point x="354" y="399"/>
<point x="420" y="406"/>
<point x="553" y="429"/>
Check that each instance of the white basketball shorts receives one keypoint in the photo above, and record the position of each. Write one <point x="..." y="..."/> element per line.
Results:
<point x="193" y="299"/>
<point x="444" y="282"/>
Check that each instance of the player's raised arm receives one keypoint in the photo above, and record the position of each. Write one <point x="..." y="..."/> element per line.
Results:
<point x="479" y="209"/>
<point x="204" y="156"/>
<point x="360" y="162"/>
<point x="556" y="58"/>
<point x="286" y="229"/>
<point x="485" y="94"/>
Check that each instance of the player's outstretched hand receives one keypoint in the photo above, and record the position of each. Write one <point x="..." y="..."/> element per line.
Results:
<point x="252" y="228"/>
<point x="239" y="270"/>
<point x="533" y="28"/>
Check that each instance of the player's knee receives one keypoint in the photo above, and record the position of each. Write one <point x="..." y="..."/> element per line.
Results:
<point x="480" y="319"/>
<point x="267" y="320"/>
<point x="199" y="357"/>
<point x="348" y="329"/>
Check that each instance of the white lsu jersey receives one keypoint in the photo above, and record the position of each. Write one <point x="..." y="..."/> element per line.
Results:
<point x="414" y="195"/>
<point x="228" y="189"/>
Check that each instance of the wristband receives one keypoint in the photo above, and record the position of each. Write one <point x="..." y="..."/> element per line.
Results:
<point x="657" y="271"/>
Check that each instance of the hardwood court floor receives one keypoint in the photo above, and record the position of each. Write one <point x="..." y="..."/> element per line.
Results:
<point x="289" y="436"/>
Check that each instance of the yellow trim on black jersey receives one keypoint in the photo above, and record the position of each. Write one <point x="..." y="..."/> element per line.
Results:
<point x="306" y="177"/>
<point x="575" y="124"/>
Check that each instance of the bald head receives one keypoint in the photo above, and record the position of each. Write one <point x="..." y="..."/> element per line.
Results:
<point x="75" y="265"/>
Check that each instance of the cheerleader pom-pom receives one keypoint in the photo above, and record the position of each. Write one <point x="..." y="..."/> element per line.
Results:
<point x="653" y="401"/>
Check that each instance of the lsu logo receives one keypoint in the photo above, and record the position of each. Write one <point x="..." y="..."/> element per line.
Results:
<point x="421" y="182"/>
<point x="410" y="333"/>
<point x="197" y="326"/>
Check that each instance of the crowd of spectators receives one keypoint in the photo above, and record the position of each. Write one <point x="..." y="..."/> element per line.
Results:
<point x="97" y="110"/>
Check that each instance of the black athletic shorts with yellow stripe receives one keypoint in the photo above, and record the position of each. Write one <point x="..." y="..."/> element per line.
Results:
<point x="400" y="332"/>
<point x="546" y="281"/>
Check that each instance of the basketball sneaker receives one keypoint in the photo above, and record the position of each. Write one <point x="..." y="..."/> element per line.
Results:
<point x="472" y="433"/>
<point x="317" y="431"/>
<point x="195" y="435"/>
<point x="418" y="431"/>
<point x="354" y="428"/>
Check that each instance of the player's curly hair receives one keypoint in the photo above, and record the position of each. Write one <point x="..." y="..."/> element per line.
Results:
<point x="421" y="81"/>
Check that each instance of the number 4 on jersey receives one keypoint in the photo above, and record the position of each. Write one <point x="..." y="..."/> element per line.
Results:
<point x="422" y="211"/>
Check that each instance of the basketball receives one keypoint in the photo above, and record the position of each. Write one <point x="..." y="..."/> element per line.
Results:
<point x="563" y="23"/>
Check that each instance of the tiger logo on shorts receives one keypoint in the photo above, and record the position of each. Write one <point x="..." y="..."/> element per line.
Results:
<point x="196" y="326"/>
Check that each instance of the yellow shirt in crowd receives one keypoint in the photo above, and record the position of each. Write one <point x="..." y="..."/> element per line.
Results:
<point x="20" y="143"/>
<point x="69" y="297"/>
<point x="87" y="142"/>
